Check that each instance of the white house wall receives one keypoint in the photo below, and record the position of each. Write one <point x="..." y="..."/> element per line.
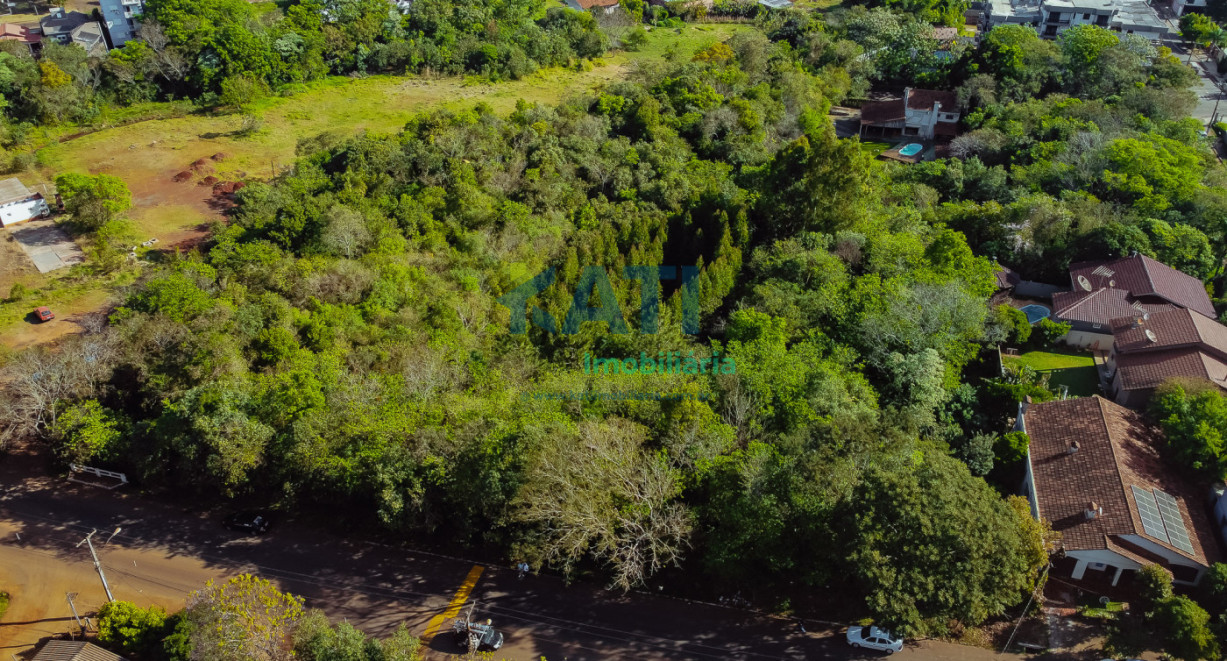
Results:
<point x="1088" y="340"/>
<point x="1114" y="563"/>
<point x="1167" y="554"/>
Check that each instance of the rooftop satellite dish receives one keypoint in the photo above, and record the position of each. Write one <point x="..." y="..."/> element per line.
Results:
<point x="1084" y="283"/>
<point x="1150" y="335"/>
<point x="1146" y="316"/>
<point x="1111" y="283"/>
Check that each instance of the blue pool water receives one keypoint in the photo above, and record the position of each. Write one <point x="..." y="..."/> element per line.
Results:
<point x="911" y="149"/>
<point x="1035" y="312"/>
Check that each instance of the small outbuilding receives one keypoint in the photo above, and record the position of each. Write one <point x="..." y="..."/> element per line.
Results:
<point x="18" y="204"/>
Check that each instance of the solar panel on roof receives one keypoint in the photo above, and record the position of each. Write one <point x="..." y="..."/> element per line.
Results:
<point x="1148" y="509"/>
<point x="1169" y="510"/>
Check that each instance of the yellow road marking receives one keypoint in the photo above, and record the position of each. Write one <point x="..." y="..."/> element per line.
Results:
<point x="453" y="608"/>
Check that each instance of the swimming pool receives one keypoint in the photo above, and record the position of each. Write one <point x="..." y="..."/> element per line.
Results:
<point x="911" y="149"/>
<point x="1035" y="312"/>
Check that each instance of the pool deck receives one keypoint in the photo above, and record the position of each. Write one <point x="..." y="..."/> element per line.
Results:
<point x="894" y="155"/>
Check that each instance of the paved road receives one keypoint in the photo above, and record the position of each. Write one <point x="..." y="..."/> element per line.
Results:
<point x="1210" y="96"/>
<point x="162" y="553"/>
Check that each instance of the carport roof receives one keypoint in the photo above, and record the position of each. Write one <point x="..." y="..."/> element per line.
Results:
<point x="71" y="650"/>
<point x="12" y="189"/>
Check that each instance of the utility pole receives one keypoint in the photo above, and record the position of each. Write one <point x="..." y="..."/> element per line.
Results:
<point x="97" y="565"/>
<point x="71" y="596"/>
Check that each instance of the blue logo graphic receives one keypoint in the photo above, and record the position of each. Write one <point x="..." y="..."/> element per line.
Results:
<point x="594" y="281"/>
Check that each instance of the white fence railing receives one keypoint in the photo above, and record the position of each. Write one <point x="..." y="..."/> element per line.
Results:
<point x="98" y="472"/>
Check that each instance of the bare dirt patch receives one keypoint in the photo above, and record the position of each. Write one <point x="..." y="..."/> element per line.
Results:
<point x="69" y="319"/>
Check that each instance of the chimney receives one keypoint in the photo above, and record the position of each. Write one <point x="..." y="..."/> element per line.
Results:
<point x="1073" y="447"/>
<point x="1093" y="511"/>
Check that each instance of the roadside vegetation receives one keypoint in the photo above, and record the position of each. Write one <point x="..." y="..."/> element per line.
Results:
<point x="343" y="342"/>
<point x="243" y="619"/>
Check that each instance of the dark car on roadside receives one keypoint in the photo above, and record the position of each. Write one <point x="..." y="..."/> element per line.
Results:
<point x="248" y="522"/>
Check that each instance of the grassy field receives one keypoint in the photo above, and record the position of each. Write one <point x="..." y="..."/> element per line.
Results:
<point x="148" y="145"/>
<point x="1066" y="367"/>
<point x="4" y="603"/>
<point x="18" y="18"/>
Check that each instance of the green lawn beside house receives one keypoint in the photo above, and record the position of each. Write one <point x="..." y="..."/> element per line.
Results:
<point x="1065" y="367"/>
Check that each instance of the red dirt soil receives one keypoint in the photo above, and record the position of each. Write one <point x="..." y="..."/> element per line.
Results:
<point x="182" y="177"/>
<point x="207" y="181"/>
<point x="220" y="156"/>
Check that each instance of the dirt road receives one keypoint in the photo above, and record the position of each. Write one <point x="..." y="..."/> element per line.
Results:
<point x="161" y="553"/>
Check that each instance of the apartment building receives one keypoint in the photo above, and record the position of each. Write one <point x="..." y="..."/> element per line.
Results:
<point x="1052" y="17"/>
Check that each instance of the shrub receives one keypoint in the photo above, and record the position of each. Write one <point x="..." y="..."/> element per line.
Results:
<point x="132" y="630"/>
<point x="1154" y="584"/>
<point x="635" y="39"/>
<point x="1051" y="331"/>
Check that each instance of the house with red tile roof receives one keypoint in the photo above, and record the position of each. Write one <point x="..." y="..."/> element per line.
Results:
<point x="31" y="36"/>
<point x="925" y="114"/>
<point x="1129" y="286"/>
<point x="1149" y="349"/>
<point x="1094" y="472"/>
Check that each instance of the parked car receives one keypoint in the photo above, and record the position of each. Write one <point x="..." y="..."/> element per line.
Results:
<point x="248" y="522"/>
<point x="44" y="313"/>
<point x="476" y="637"/>
<point x="875" y="639"/>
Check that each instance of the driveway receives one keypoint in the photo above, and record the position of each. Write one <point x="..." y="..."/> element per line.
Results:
<point x="48" y="246"/>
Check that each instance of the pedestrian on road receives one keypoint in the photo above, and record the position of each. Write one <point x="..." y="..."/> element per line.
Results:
<point x="523" y="568"/>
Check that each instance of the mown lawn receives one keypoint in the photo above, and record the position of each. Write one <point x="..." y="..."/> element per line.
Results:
<point x="1067" y="367"/>
<point x="875" y="148"/>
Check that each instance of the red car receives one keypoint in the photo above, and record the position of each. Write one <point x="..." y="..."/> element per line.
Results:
<point x="44" y="313"/>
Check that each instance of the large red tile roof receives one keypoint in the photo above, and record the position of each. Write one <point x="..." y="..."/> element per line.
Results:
<point x="1161" y="331"/>
<point x="1100" y="306"/>
<point x="883" y="111"/>
<point x="918" y="99"/>
<point x="1117" y="450"/>
<point x="16" y="32"/>
<point x="1143" y="371"/>
<point x="1143" y="276"/>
